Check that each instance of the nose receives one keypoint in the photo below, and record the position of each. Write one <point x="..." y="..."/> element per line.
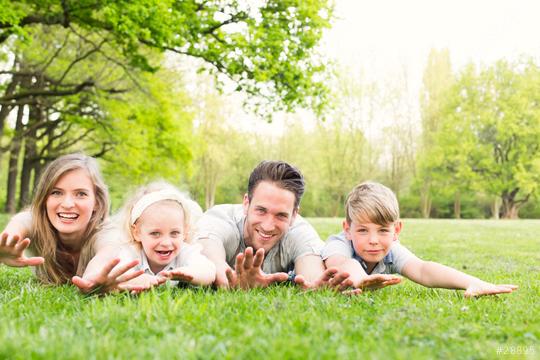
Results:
<point x="166" y="241"/>
<point x="373" y="238"/>
<point x="68" y="202"/>
<point x="268" y="224"/>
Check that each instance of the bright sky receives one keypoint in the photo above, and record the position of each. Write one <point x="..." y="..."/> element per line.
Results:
<point x="383" y="38"/>
<point x="385" y="34"/>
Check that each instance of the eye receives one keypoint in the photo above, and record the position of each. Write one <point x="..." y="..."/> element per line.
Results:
<point x="82" y="194"/>
<point x="176" y="233"/>
<point x="362" y="231"/>
<point x="155" y="233"/>
<point x="56" y="192"/>
<point x="283" y="217"/>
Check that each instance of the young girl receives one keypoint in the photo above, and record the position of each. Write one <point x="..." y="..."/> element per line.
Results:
<point x="158" y="223"/>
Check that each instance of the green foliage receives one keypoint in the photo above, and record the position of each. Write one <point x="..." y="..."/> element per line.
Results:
<point x="151" y="134"/>
<point x="405" y="321"/>
<point x="489" y="133"/>
<point x="267" y="48"/>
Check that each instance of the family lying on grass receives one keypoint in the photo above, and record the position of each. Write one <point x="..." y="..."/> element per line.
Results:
<point x="161" y="236"/>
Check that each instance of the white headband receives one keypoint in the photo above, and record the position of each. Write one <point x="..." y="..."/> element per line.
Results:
<point x="152" y="198"/>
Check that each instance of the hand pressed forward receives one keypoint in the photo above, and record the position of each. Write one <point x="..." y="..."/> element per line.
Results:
<point x="482" y="288"/>
<point x="181" y="274"/>
<point x="248" y="271"/>
<point x="12" y="251"/>
<point x="111" y="278"/>
<point x="331" y="278"/>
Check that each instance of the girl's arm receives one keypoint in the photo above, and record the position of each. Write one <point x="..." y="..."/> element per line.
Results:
<point x="199" y="270"/>
<point x="432" y="274"/>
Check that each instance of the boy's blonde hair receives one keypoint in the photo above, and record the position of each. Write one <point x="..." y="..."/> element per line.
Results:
<point x="192" y="211"/>
<point x="45" y="241"/>
<point x="372" y="201"/>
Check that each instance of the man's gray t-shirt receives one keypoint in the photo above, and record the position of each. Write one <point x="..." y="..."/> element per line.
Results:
<point x="392" y="263"/>
<point x="224" y="224"/>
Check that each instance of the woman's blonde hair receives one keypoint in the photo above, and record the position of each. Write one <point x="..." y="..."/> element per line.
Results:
<point x="59" y="266"/>
<point x="192" y="211"/>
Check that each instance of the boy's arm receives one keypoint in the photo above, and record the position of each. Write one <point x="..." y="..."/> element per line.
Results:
<point x="357" y="274"/>
<point x="432" y="274"/>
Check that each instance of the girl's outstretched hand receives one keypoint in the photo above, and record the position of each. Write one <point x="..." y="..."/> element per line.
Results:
<point x="181" y="274"/>
<point x="12" y="251"/>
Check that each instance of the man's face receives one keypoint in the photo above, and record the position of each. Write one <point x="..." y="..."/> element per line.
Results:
<point x="269" y="215"/>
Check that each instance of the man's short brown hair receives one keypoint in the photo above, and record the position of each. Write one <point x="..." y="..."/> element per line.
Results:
<point x="281" y="174"/>
<point x="373" y="202"/>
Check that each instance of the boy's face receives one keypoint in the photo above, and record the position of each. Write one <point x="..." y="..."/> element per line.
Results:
<point x="371" y="242"/>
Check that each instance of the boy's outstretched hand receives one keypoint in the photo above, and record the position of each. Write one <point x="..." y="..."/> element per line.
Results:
<point x="331" y="278"/>
<point x="12" y="251"/>
<point x="378" y="281"/>
<point x="484" y="288"/>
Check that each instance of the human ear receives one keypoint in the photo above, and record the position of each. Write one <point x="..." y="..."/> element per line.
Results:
<point x="136" y="232"/>
<point x="245" y="203"/>
<point x="398" y="226"/>
<point x="347" y="229"/>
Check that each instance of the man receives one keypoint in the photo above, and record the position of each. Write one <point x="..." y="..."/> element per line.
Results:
<point x="264" y="237"/>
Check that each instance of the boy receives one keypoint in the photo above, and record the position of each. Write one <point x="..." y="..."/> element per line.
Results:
<point x="369" y="245"/>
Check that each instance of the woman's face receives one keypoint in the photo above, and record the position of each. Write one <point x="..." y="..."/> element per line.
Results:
<point x="70" y="206"/>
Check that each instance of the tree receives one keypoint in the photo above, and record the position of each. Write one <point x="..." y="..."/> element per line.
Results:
<point x="492" y="127"/>
<point x="266" y="48"/>
<point x="437" y="79"/>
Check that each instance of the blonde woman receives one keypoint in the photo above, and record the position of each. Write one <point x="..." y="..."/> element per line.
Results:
<point x="69" y="208"/>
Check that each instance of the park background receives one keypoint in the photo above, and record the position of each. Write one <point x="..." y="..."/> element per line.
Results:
<point x="438" y="100"/>
<point x="447" y="116"/>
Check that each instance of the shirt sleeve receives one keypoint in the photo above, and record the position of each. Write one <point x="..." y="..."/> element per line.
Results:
<point x="401" y="255"/>
<point x="337" y="245"/>
<point x="220" y="230"/>
<point x="110" y="234"/>
<point x="191" y="255"/>
<point x="302" y="239"/>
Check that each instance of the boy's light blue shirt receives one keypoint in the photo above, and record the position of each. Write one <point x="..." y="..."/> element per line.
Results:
<point x="392" y="263"/>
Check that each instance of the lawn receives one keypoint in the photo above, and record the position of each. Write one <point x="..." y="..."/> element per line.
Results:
<point x="405" y="322"/>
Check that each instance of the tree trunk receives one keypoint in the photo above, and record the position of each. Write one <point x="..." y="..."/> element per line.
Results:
<point x="425" y="200"/>
<point x="13" y="167"/>
<point x="496" y="208"/>
<point x="510" y="210"/>
<point x="457" y="205"/>
<point x="30" y="155"/>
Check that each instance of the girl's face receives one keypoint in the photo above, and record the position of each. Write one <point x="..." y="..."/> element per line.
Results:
<point x="70" y="206"/>
<point x="160" y="230"/>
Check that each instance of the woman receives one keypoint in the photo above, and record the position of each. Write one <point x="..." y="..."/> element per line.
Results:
<point x="69" y="208"/>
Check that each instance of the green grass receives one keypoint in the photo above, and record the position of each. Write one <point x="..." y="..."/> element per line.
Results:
<point x="405" y="322"/>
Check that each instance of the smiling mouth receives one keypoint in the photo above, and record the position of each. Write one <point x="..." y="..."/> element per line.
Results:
<point x="265" y="236"/>
<point x="164" y="253"/>
<point x="68" y="216"/>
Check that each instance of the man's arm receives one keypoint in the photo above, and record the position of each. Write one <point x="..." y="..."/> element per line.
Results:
<point x="432" y="274"/>
<point x="310" y="267"/>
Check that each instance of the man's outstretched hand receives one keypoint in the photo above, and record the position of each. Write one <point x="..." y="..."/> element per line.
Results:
<point x="248" y="271"/>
